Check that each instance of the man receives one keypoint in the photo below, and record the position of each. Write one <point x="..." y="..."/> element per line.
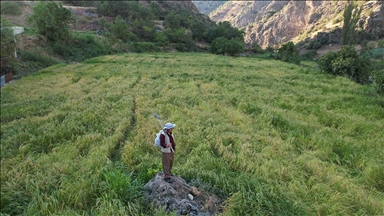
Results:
<point x="168" y="149"/>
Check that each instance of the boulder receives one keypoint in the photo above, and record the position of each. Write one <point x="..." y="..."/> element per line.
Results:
<point x="180" y="197"/>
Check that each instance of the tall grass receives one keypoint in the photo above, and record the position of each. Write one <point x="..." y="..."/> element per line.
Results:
<point x="269" y="138"/>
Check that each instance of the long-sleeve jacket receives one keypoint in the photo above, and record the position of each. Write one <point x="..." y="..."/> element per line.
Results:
<point x="167" y="138"/>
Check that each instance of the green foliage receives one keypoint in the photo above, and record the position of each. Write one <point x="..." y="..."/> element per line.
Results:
<point x="176" y="35"/>
<point x="144" y="47"/>
<point x="373" y="53"/>
<point x="51" y="21"/>
<point x="7" y="40"/>
<point x="120" y="30"/>
<point x="182" y="28"/>
<point x="310" y="55"/>
<point x="144" y="29"/>
<point x="82" y="47"/>
<point x="351" y="16"/>
<point x="10" y="7"/>
<point x="102" y="23"/>
<point x="161" y="39"/>
<point x="118" y="184"/>
<point x="222" y="45"/>
<point x="380" y="43"/>
<point x="128" y="10"/>
<point x="288" y="53"/>
<point x="378" y="81"/>
<point x="346" y="62"/>
<point x="158" y="13"/>
<point x="257" y="48"/>
<point x="37" y="57"/>
<point x="224" y="29"/>
<point x="178" y="19"/>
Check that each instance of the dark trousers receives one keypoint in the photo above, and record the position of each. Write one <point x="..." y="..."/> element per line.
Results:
<point x="167" y="162"/>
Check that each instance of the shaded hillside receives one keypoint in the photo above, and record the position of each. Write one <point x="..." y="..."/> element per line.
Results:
<point x="206" y="7"/>
<point x="270" y="23"/>
<point x="107" y="27"/>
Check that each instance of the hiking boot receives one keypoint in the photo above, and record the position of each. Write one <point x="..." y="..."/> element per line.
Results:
<point x="169" y="180"/>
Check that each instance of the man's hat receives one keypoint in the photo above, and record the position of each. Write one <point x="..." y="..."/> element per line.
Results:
<point x="169" y="126"/>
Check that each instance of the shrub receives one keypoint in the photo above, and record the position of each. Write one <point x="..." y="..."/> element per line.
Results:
<point x="120" y="30"/>
<point x="378" y="81"/>
<point x="144" y="47"/>
<point x="288" y="53"/>
<point x="224" y="29"/>
<point x="218" y="45"/>
<point x="175" y="35"/>
<point x="40" y="59"/>
<point x="82" y="47"/>
<point x="234" y="47"/>
<point x="325" y="62"/>
<point x="380" y="44"/>
<point x="257" y="48"/>
<point x="373" y="53"/>
<point x="161" y="39"/>
<point x="346" y="62"/>
<point x="310" y="55"/>
<point x="223" y="46"/>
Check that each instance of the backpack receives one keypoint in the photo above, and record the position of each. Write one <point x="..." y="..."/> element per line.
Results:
<point x="157" y="139"/>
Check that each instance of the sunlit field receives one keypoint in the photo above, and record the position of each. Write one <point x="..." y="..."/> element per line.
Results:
<point x="267" y="137"/>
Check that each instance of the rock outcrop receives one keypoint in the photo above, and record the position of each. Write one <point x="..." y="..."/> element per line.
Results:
<point x="180" y="197"/>
<point x="271" y="23"/>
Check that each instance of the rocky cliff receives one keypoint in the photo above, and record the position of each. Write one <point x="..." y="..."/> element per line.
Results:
<point x="271" y="23"/>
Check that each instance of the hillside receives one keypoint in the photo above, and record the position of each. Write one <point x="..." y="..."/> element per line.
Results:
<point x="206" y="7"/>
<point x="267" y="137"/>
<point x="270" y="23"/>
<point x="99" y="28"/>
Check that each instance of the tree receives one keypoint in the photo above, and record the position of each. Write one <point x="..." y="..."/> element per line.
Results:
<point x="121" y="30"/>
<point x="51" y="21"/>
<point x="351" y="17"/>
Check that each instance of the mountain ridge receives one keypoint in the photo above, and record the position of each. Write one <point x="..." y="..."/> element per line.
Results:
<point x="271" y="23"/>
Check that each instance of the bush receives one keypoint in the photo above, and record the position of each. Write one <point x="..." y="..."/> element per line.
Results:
<point x="234" y="47"/>
<point x="315" y="44"/>
<point x="121" y="31"/>
<point x="175" y="35"/>
<point x="380" y="44"/>
<point x="161" y="39"/>
<point x="82" y="47"/>
<point x="40" y="59"/>
<point x="288" y="53"/>
<point x="223" y="46"/>
<point x="145" y="47"/>
<point x="378" y="81"/>
<point x="346" y="62"/>
<point x="310" y="55"/>
<point x="224" y="29"/>
<point x="373" y="53"/>
<point x="257" y="48"/>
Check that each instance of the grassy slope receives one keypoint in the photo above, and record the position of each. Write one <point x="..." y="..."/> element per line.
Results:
<point x="269" y="138"/>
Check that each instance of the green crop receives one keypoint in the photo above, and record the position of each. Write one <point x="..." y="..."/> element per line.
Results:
<point x="268" y="137"/>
